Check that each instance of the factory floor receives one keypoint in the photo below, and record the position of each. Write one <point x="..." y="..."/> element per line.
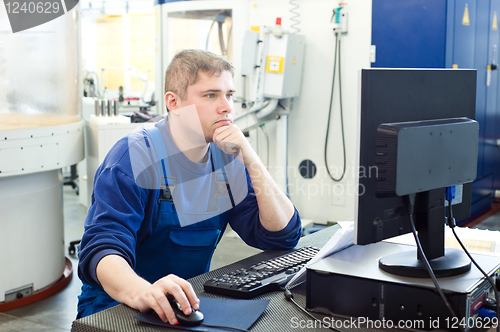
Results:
<point x="57" y="312"/>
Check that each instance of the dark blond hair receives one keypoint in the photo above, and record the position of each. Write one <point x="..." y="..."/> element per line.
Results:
<point x="183" y="70"/>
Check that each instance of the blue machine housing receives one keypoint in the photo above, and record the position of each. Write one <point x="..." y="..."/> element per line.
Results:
<point x="443" y="34"/>
<point x="161" y="2"/>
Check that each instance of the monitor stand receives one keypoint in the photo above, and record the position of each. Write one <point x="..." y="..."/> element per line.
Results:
<point x="430" y="224"/>
<point x="406" y="264"/>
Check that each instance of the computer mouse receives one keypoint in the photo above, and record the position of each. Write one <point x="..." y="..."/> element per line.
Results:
<point x="194" y="319"/>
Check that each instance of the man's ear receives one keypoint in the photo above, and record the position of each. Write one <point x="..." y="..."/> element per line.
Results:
<point x="172" y="101"/>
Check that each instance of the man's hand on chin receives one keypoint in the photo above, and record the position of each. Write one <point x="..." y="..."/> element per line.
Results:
<point x="231" y="140"/>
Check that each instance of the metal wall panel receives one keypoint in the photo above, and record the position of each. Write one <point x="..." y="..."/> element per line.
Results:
<point x="450" y="33"/>
<point x="464" y="34"/>
<point x="492" y="144"/>
<point x="480" y="63"/>
<point x="409" y="33"/>
<point x="485" y="96"/>
<point x="492" y="107"/>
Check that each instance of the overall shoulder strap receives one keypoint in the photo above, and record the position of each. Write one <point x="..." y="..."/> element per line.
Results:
<point x="167" y="181"/>
<point x="157" y="140"/>
<point x="221" y="176"/>
<point x="217" y="158"/>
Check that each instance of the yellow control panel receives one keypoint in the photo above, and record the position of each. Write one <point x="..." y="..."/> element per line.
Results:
<point x="274" y="64"/>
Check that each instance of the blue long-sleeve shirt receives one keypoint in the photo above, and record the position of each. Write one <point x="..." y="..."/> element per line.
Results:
<point x="124" y="205"/>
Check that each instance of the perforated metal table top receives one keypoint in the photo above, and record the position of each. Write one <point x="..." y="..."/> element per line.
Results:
<point x="280" y="315"/>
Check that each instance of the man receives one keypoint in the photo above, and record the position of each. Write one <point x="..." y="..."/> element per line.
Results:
<point x="160" y="202"/>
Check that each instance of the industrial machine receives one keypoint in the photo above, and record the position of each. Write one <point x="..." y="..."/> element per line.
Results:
<point x="41" y="132"/>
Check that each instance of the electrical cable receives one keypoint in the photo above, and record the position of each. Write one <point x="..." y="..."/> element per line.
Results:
<point x="280" y="105"/>
<point x="287" y="192"/>
<point x="244" y="101"/>
<point x="220" y="23"/>
<point x="452" y="225"/>
<point x="264" y="131"/>
<point x="337" y="48"/>
<point x="341" y="110"/>
<point x="221" y="39"/>
<point x="295" y="17"/>
<point x="224" y="327"/>
<point x="289" y="297"/>
<point x="229" y="35"/>
<point x="208" y="35"/>
<point x="410" y="202"/>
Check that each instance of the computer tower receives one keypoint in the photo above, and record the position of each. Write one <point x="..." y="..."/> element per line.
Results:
<point x="350" y="284"/>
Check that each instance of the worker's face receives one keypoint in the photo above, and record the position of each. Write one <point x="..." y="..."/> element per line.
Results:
<point x="213" y="98"/>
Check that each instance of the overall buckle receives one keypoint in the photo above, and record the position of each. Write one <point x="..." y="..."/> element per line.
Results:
<point x="167" y="189"/>
<point x="222" y="182"/>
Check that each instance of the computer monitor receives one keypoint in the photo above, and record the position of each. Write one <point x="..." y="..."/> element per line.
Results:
<point x="398" y="96"/>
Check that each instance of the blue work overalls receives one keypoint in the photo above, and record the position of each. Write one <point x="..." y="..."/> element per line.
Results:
<point x="172" y="249"/>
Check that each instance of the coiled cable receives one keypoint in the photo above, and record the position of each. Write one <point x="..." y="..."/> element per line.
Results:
<point x="296" y="15"/>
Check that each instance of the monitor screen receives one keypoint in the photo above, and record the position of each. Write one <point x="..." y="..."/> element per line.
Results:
<point x="398" y="96"/>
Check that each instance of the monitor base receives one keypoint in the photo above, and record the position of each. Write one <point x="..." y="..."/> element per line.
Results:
<point x="406" y="264"/>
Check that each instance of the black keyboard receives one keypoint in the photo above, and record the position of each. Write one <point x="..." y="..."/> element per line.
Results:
<point x="266" y="276"/>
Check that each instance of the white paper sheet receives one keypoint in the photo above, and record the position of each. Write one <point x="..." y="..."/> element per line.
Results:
<point x="342" y="239"/>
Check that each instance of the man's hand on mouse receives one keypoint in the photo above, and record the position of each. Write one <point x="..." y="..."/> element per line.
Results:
<point x="230" y="140"/>
<point x="154" y="297"/>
